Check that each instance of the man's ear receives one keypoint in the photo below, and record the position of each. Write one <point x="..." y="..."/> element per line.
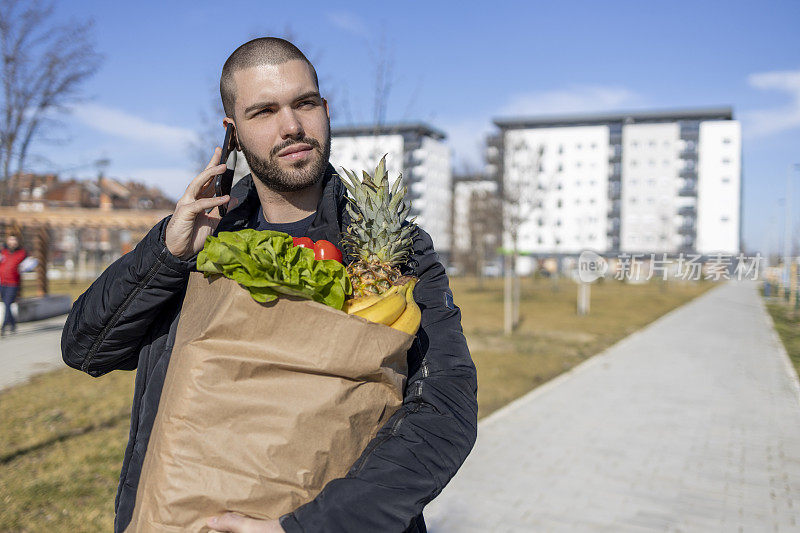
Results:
<point x="327" y="110"/>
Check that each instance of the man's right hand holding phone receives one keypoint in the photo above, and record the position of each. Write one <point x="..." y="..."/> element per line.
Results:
<point x="190" y="224"/>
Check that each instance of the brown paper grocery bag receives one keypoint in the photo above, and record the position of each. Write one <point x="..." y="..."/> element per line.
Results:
<point x="262" y="405"/>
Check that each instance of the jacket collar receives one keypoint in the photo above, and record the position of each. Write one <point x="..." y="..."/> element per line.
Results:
<point x="327" y="224"/>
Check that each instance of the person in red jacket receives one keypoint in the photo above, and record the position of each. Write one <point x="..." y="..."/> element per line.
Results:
<point x="11" y="256"/>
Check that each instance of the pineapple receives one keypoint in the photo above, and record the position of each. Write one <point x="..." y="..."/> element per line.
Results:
<point x="375" y="235"/>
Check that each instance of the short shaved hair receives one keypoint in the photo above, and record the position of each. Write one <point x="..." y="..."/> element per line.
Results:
<point x="261" y="51"/>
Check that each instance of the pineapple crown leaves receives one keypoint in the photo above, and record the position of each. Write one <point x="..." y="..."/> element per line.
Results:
<point x="377" y="211"/>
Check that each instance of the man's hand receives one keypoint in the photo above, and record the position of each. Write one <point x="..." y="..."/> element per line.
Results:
<point x="190" y="225"/>
<point x="236" y="523"/>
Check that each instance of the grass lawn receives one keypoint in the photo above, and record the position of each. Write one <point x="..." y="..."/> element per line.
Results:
<point x="787" y="323"/>
<point x="63" y="434"/>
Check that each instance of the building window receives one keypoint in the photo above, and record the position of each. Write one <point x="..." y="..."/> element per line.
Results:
<point x="726" y="180"/>
<point x="726" y="140"/>
<point x="726" y="161"/>
<point x="560" y="149"/>
<point x="559" y="203"/>
<point x="724" y="219"/>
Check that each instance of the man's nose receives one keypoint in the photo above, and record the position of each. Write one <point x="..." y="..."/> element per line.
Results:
<point x="290" y="125"/>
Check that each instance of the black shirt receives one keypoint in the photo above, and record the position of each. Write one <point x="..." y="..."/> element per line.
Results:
<point x="295" y="229"/>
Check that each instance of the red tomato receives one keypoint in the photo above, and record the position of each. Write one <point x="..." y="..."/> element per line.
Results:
<point x="303" y="242"/>
<point x="326" y="250"/>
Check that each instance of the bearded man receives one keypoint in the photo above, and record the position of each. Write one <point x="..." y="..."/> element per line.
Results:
<point x="127" y="319"/>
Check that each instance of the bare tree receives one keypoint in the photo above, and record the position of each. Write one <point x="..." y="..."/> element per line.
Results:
<point x="44" y="65"/>
<point x="518" y="199"/>
<point x="485" y="229"/>
<point x="383" y="60"/>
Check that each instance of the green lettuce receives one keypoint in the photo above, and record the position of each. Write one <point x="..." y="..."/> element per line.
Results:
<point x="267" y="264"/>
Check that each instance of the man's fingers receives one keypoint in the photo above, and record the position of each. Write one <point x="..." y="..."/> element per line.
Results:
<point x="193" y="190"/>
<point x="228" y="522"/>
<point x="206" y="203"/>
<point x="215" y="157"/>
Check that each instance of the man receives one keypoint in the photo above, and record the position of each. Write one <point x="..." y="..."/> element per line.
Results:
<point x="127" y="319"/>
<point x="10" y="258"/>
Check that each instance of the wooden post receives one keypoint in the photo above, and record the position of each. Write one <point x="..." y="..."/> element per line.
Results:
<point x="41" y="247"/>
<point x="508" y="324"/>
<point x="584" y="297"/>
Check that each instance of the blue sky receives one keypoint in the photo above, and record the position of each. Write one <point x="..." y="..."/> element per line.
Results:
<point x="456" y="66"/>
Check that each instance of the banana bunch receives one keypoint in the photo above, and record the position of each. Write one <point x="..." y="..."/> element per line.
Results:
<point x="395" y="307"/>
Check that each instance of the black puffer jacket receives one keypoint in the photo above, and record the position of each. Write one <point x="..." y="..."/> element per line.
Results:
<point x="127" y="320"/>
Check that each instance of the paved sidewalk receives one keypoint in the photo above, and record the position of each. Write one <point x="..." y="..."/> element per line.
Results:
<point x="691" y="424"/>
<point x="35" y="348"/>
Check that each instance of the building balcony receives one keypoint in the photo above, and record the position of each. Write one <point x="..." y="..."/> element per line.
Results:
<point x="688" y="153"/>
<point x="690" y="134"/>
<point x="687" y="229"/>
<point x="614" y="191"/>
<point x="689" y="189"/>
<point x="688" y="172"/>
<point x="687" y="210"/>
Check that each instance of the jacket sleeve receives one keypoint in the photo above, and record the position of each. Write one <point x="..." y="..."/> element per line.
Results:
<point x="107" y="322"/>
<point x="425" y="442"/>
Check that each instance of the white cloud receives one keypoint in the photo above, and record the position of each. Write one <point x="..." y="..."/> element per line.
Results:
<point x="127" y="126"/>
<point x="466" y="136"/>
<point x="768" y="121"/>
<point x="348" y="22"/>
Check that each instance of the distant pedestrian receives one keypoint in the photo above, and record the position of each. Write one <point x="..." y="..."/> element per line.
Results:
<point x="11" y="256"/>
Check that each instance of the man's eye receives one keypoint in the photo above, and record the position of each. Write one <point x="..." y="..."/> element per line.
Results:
<point x="308" y="103"/>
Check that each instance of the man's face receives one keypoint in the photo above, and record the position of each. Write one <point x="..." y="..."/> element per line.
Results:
<point x="12" y="242"/>
<point x="282" y="124"/>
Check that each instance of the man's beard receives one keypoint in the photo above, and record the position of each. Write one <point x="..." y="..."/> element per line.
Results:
<point x="303" y="175"/>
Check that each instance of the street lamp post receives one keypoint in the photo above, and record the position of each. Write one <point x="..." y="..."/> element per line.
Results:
<point x="787" y="235"/>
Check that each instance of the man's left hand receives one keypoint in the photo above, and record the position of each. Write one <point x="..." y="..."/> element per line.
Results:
<point x="236" y="523"/>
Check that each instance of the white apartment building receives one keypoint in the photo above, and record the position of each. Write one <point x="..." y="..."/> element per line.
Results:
<point x="416" y="150"/>
<point x="642" y="182"/>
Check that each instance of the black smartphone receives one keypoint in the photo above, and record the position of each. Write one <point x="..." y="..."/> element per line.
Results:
<point x="224" y="181"/>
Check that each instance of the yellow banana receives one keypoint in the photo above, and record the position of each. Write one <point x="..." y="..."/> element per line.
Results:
<point x="355" y="305"/>
<point x="408" y="322"/>
<point x="386" y="310"/>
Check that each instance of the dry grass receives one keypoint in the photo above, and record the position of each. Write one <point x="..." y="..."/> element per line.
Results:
<point x="787" y="324"/>
<point x="63" y="435"/>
